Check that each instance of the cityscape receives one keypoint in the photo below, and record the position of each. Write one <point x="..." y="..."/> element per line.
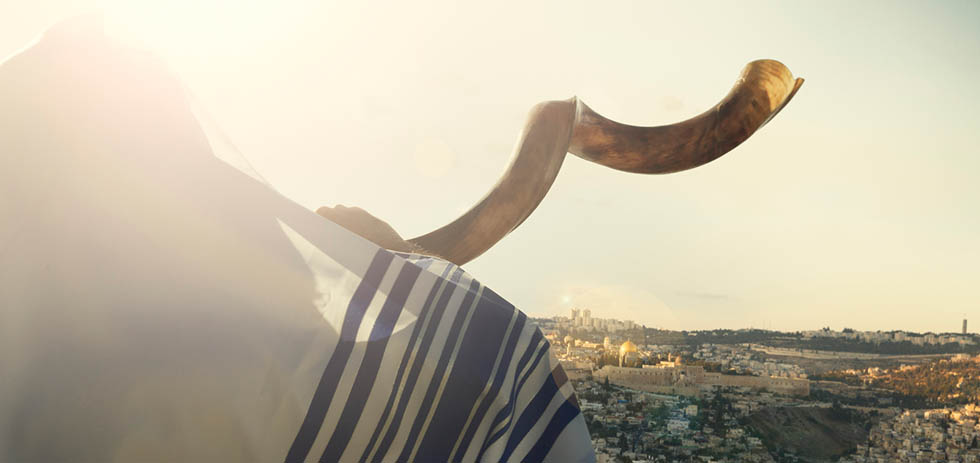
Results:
<point x="653" y="395"/>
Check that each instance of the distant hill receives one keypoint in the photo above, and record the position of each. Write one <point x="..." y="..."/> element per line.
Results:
<point x="945" y="382"/>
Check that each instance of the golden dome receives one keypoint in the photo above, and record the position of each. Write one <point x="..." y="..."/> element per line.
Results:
<point x="569" y="339"/>
<point x="627" y="347"/>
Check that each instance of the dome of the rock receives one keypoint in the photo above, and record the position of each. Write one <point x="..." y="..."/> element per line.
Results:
<point x="627" y="346"/>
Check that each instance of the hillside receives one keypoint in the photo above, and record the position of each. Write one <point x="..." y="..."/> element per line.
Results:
<point x="813" y="434"/>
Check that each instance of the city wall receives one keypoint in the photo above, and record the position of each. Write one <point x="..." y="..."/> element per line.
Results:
<point x="693" y="380"/>
<point x="812" y="354"/>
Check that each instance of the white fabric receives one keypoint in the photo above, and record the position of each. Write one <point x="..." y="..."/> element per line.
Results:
<point x="157" y="304"/>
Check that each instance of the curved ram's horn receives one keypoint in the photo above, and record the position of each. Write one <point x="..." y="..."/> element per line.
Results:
<point x="556" y="127"/>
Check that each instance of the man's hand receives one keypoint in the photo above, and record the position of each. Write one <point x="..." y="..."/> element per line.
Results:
<point x="369" y="227"/>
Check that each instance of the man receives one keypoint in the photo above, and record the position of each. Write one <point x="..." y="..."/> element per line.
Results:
<point x="157" y="304"/>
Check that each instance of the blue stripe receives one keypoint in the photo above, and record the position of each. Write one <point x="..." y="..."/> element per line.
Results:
<point x="532" y="413"/>
<point x="413" y="374"/>
<point x="508" y="411"/>
<point x="440" y="371"/>
<point x="565" y="414"/>
<point x="338" y="361"/>
<point x="469" y="375"/>
<point x="498" y="381"/>
<point x="422" y="320"/>
<point x="373" y="355"/>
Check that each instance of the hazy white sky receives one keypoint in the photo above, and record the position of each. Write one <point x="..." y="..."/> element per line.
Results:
<point x="857" y="206"/>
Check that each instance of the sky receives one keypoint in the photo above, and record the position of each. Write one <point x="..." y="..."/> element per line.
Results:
<point x="857" y="206"/>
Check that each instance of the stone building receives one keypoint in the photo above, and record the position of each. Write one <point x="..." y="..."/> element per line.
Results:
<point x="672" y="377"/>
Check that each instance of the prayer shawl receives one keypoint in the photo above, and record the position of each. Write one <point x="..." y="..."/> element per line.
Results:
<point x="157" y="304"/>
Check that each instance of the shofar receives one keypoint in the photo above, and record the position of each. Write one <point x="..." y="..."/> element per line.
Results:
<point x="558" y="127"/>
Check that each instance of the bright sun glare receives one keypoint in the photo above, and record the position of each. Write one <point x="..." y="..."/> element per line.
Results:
<point x="181" y="28"/>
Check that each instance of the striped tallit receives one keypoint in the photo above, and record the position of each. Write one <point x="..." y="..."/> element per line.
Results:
<point x="157" y="304"/>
